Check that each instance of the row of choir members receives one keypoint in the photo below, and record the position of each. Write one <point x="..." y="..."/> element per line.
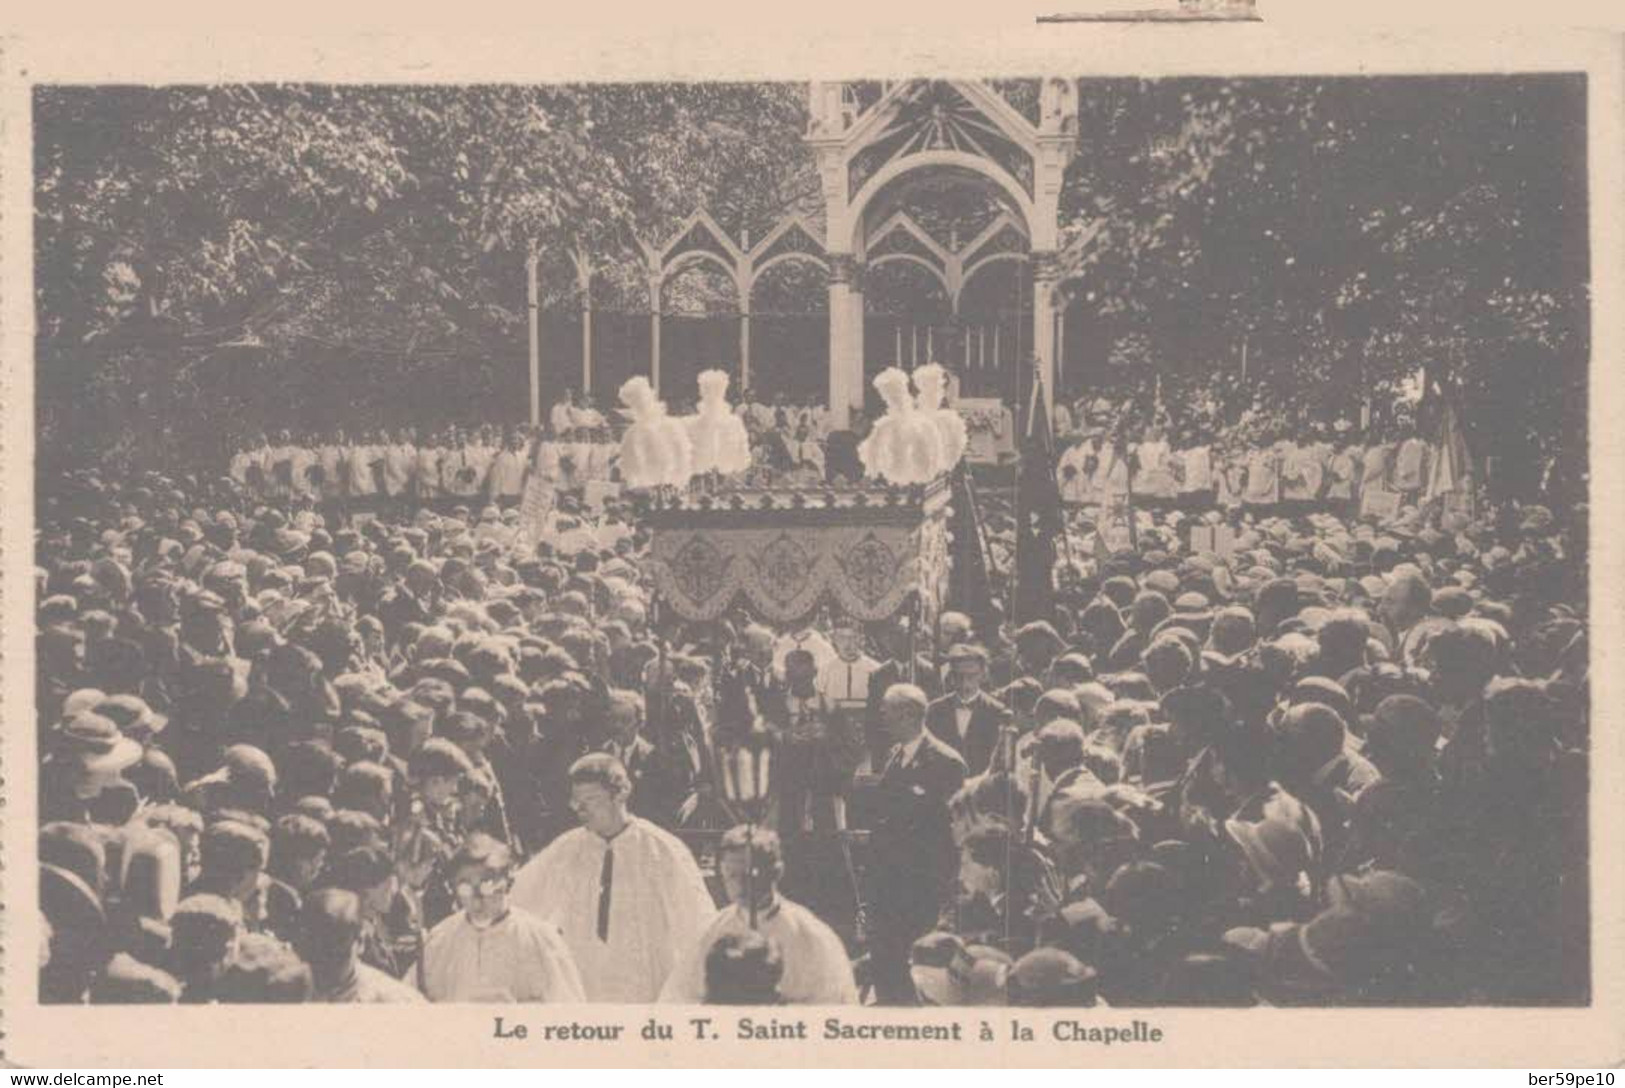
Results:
<point x="462" y="464"/>
<point x="477" y="468"/>
<point x="1092" y="470"/>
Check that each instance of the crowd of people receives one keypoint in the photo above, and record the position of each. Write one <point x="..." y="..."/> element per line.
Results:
<point x="293" y="754"/>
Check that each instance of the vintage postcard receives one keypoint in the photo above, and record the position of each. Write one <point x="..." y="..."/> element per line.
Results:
<point x="1086" y="546"/>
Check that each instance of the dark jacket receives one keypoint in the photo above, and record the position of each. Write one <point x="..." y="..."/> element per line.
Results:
<point x="661" y="780"/>
<point x="913" y="862"/>
<point x="880" y="681"/>
<point x="988" y="717"/>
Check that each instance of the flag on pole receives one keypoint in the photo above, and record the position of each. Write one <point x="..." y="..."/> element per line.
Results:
<point x="1450" y="475"/>
<point x="970" y="589"/>
<point x="1039" y="522"/>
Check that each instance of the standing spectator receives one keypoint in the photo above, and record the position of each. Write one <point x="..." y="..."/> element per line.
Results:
<point x="914" y="865"/>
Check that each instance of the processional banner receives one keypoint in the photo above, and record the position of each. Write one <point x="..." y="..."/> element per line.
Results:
<point x="534" y="505"/>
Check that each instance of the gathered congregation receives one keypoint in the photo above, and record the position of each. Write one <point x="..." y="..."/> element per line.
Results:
<point x="336" y="726"/>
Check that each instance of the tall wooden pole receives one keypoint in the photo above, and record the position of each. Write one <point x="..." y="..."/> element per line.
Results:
<point x="654" y="328"/>
<point x="532" y="295"/>
<point x="584" y="282"/>
<point x="1017" y="413"/>
<point x="1060" y="355"/>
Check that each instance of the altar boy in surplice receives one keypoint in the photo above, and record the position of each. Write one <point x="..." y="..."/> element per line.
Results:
<point x="819" y="749"/>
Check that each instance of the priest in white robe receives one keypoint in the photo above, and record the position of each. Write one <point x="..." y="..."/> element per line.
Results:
<point x="1152" y="479"/>
<point x="817" y="970"/>
<point x="490" y="950"/>
<point x="400" y="458"/>
<point x="627" y="895"/>
<point x="1198" y="478"/>
<point x="1263" y="477"/>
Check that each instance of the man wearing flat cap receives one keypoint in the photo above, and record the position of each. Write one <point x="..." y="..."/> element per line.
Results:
<point x="1050" y="978"/>
<point x="1037" y="646"/>
<point x="968" y="720"/>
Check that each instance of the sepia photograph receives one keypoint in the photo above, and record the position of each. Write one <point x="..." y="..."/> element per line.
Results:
<point x="1087" y="544"/>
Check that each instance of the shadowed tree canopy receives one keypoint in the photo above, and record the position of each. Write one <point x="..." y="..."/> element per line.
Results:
<point x="1352" y="230"/>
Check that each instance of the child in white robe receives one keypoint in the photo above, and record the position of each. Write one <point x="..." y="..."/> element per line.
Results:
<point x="490" y="950"/>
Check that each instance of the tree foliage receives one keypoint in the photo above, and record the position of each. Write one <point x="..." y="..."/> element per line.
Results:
<point x="196" y="244"/>
<point x="185" y="234"/>
<point x="1350" y="229"/>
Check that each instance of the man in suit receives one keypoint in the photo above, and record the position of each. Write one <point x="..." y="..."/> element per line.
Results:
<point x="660" y="778"/>
<point x="913" y="862"/>
<point x="968" y="719"/>
<point x="893" y="638"/>
<point x="665" y="773"/>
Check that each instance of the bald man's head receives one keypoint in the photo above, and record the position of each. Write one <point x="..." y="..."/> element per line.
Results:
<point x="903" y="710"/>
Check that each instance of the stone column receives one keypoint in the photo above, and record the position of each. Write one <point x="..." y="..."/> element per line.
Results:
<point x="845" y="336"/>
<point x="1046" y="274"/>
<point x="854" y="331"/>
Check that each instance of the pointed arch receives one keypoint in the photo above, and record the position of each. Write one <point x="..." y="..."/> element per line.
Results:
<point x="924" y="160"/>
<point x="914" y="259"/>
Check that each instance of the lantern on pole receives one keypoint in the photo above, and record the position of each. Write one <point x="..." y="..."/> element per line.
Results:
<point x="746" y="764"/>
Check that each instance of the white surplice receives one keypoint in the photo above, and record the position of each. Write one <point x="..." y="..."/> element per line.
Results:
<point x="519" y="958"/>
<point x="658" y="906"/>
<point x="816" y="968"/>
